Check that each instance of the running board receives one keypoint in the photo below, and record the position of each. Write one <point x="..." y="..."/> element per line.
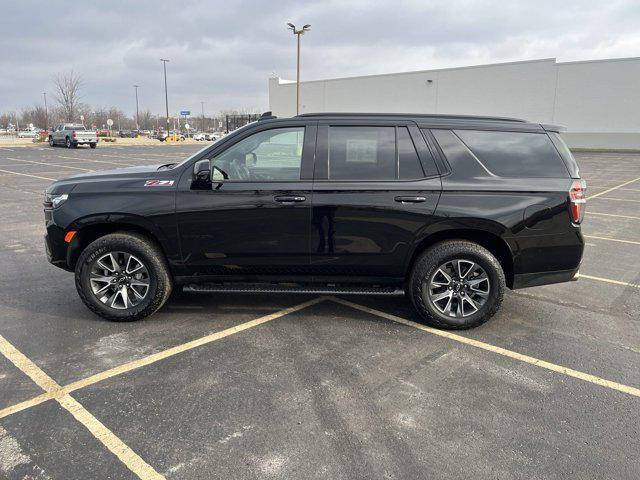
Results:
<point x="301" y="289"/>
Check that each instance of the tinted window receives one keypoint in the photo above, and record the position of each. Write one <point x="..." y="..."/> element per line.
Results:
<point x="514" y="154"/>
<point x="566" y="154"/>
<point x="408" y="162"/>
<point x="362" y="153"/>
<point x="268" y="155"/>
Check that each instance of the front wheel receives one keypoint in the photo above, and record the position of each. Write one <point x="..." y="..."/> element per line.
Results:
<point x="457" y="284"/>
<point x="92" y="145"/>
<point x="51" y="142"/>
<point x="123" y="277"/>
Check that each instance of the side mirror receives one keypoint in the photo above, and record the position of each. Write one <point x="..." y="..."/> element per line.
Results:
<point x="201" y="178"/>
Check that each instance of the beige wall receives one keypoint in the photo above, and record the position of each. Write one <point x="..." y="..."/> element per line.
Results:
<point x="593" y="99"/>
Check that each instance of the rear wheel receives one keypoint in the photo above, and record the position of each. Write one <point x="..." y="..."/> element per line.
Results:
<point x="92" y="145"/>
<point x="457" y="284"/>
<point x="123" y="277"/>
<point x="68" y="143"/>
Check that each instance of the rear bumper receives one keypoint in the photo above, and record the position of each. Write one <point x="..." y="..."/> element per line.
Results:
<point x="525" y="280"/>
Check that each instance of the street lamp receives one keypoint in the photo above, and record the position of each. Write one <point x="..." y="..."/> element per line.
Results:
<point x="46" y="112"/>
<point x="137" y="114"/>
<point x="202" y="125"/>
<point x="166" y="96"/>
<point x="298" y="33"/>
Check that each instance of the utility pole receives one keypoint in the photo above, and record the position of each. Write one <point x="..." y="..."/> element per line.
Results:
<point x="298" y="33"/>
<point x="166" y="95"/>
<point x="46" y="112"/>
<point x="202" y="125"/>
<point x="137" y="113"/>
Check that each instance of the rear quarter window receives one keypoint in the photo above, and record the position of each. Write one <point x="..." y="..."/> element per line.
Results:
<point x="514" y="154"/>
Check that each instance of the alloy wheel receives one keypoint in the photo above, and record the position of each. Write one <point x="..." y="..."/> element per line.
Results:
<point x="458" y="288"/>
<point x="119" y="280"/>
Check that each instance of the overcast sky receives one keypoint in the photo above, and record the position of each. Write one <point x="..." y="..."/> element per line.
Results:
<point x="223" y="52"/>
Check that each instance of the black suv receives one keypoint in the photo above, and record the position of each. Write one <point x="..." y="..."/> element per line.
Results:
<point x="446" y="209"/>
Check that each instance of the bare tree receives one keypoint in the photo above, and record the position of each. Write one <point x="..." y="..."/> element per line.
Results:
<point x="68" y="94"/>
<point x="147" y="121"/>
<point x="35" y="115"/>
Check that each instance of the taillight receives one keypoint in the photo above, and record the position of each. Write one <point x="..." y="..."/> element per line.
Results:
<point x="73" y="134"/>
<point x="577" y="200"/>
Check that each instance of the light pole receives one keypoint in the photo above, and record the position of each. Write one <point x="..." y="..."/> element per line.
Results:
<point x="166" y="95"/>
<point x="46" y="112"/>
<point x="298" y="33"/>
<point x="202" y="125"/>
<point x="137" y="113"/>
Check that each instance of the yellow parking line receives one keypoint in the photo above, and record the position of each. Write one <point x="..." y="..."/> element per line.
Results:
<point x="169" y="352"/>
<point x="620" y="199"/>
<point x="499" y="350"/>
<point x="612" y="239"/>
<point x="116" y="446"/>
<point x="96" y="161"/>
<point x="608" y="280"/>
<point x="612" y="215"/>
<point x="613" y="188"/>
<point x="27" y="175"/>
<point x="48" y="164"/>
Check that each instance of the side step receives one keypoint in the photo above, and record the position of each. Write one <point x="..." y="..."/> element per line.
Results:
<point x="292" y="288"/>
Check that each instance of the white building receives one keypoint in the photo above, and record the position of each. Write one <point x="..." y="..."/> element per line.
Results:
<point x="598" y="101"/>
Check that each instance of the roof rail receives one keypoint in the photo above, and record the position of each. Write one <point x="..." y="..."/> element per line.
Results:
<point x="267" y="116"/>
<point x="412" y="115"/>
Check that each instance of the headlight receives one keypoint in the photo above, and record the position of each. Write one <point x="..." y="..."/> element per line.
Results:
<point x="55" y="200"/>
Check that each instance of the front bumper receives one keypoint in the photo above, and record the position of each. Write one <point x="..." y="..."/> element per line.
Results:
<point x="57" y="249"/>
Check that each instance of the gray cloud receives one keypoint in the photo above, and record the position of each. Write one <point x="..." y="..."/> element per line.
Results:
<point x="223" y="52"/>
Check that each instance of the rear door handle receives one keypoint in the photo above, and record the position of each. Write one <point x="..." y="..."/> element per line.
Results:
<point x="402" y="199"/>
<point x="290" y="198"/>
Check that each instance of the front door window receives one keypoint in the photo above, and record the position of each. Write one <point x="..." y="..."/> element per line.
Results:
<point x="270" y="155"/>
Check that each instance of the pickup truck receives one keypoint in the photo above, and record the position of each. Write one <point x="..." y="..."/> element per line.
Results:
<point x="71" y="135"/>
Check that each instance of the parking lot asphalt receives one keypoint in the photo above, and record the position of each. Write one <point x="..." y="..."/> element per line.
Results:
<point x="275" y="386"/>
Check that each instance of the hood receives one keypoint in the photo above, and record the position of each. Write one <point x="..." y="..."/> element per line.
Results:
<point x="129" y="176"/>
<point x="118" y="172"/>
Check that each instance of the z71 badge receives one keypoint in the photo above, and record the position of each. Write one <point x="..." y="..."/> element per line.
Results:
<point x="158" y="183"/>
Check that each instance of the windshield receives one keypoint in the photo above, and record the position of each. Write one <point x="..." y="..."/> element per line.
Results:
<point x="75" y="127"/>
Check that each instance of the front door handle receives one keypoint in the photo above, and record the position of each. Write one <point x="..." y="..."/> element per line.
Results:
<point x="290" y="198"/>
<point x="402" y="199"/>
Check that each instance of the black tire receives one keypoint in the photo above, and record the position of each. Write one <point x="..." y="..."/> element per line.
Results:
<point x="92" y="145"/>
<point x="436" y="256"/>
<point x="51" y="142"/>
<point x="160" y="283"/>
<point x="68" y="143"/>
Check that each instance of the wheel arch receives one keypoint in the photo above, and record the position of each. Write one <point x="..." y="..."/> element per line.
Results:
<point x="90" y="229"/>
<point x="489" y="240"/>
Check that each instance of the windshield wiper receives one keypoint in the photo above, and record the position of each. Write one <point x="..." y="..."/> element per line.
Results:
<point x="166" y="166"/>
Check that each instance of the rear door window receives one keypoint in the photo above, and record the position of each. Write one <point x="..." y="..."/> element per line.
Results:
<point x="409" y="166"/>
<point x="372" y="153"/>
<point x="513" y="154"/>
<point x="362" y="153"/>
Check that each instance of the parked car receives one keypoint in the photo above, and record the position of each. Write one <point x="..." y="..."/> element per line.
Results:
<point x="168" y="137"/>
<point x="28" y="134"/>
<point x="71" y="135"/>
<point x="199" y="136"/>
<point x="128" y="134"/>
<point x="211" y="137"/>
<point x="449" y="210"/>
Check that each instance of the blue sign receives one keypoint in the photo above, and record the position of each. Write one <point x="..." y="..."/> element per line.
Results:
<point x="184" y="113"/>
